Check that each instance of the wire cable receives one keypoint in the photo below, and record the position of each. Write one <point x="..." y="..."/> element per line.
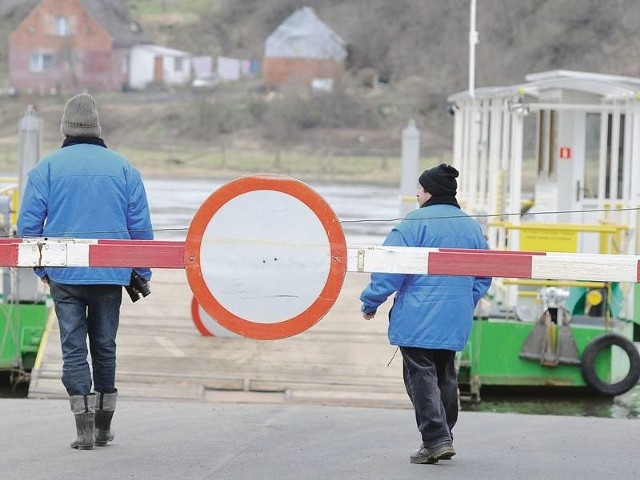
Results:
<point x="80" y="234"/>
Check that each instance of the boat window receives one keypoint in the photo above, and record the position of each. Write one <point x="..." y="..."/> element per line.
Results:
<point x="547" y="144"/>
<point x="621" y="156"/>
<point x="591" y="156"/>
<point x="615" y="169"/>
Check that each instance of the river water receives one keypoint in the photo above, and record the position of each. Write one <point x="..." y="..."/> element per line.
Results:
<point x="367" y="214"/>
<point x="174" y="202"/>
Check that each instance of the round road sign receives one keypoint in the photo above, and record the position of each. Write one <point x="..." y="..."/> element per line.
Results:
<point x="265" y="255"/>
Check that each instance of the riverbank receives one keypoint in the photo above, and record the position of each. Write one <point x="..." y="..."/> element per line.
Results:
<point x="168" y="134"/>
<point x="223" y="163"/>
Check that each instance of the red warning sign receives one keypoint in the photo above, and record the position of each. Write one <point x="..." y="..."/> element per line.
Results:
<point x="565" y="153"/>
<point x="265" y="256"/>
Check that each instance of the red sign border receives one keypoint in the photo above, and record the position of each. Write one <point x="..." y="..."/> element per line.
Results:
<point x="337" y="267"/>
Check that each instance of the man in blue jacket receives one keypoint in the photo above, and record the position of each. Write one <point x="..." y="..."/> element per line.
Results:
<point x="431" y="315"/>
<point x="85" y="190"/>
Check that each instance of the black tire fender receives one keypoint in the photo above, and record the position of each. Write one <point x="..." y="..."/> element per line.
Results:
<point x="587" y="364"/>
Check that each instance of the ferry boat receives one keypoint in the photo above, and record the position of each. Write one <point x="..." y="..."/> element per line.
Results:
<point x="548" y="165"/>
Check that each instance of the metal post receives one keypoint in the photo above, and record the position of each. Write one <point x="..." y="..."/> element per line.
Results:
<point x="409" y="173"/>
<point x="473" y="41"/>
<point x="29" y="287"/>
<point x="30" y="138"/>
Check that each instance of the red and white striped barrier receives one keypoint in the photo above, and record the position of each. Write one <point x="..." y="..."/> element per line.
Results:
<point x="496" y="263"/>
<point x="266" y="256"/>
<point x="70" y="252"/>
<point x="56" y="252"/>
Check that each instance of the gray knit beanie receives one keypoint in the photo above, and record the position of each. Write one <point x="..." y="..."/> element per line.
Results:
<point x="80" y="118"/>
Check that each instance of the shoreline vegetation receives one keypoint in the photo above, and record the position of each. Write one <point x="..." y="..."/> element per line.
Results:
<point x="220" y="163"/>
<point x="231" y="164"/>
<point x="228" y="163"/>
<point x="237" y="130"/>
<point x="338" y="156"/>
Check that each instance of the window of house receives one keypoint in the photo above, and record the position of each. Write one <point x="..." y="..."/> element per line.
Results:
<point x="40" y="62"/>
<point x="62" y="26"/>
<point x="177" y="64"/>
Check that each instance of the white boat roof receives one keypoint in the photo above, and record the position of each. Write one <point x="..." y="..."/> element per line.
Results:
<point x="609" y="87"/>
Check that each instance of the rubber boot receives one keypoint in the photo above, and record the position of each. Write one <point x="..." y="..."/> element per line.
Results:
<point x="84" y="408"/>
<point x="105" y="406"/>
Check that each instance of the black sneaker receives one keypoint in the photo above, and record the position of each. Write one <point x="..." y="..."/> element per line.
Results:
<point x="431" y="455"/>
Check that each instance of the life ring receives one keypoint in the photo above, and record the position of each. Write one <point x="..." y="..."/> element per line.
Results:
<point x="587" y="364"/>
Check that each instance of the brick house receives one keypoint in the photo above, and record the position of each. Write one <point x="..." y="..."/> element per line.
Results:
<point x="303" y="49"/>
<point x="70" y="45"/>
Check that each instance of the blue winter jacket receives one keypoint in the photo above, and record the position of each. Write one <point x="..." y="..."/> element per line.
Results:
<point x="430" y="311"/>
<point x="86" y="191"/>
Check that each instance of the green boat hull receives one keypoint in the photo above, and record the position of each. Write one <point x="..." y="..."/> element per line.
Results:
<point x="492" y="358"/>
<point x="21" y="328"/>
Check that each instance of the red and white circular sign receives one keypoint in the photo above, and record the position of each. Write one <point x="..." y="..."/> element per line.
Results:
<point x="265" y="255"/>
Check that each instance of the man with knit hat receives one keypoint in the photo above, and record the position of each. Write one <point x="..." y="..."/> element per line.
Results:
<point x="431" y="316"/>
<point x="85" y="190"/>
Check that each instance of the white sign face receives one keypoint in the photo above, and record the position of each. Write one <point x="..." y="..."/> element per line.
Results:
<point x="265" y="256"/>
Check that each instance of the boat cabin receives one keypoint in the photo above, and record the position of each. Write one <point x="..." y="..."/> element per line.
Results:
<point x="550" y="164"/>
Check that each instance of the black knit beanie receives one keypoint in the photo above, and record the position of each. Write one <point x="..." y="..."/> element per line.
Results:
<point x="440" y="181"/>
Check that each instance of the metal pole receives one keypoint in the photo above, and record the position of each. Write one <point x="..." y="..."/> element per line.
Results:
<point x="30" y="136"/>
<point x="409" y="174"/>
<point x="29" y="287"/>
<point x="473" y="41"/>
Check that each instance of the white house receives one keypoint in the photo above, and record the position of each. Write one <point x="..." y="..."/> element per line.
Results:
<point x="154" y="64"/>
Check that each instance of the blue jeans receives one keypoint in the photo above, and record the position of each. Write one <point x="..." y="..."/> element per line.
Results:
<point x="93" y="311"/>
<point x="431" y="381"/>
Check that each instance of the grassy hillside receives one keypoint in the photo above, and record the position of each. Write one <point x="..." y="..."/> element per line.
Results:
<point x="419" y="48"/>
<point x="429" y="38"/>
<point x="403" y="38"/>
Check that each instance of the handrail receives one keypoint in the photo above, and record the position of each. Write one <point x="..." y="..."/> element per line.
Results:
<point x="572" y="227"/>
<point x="554" y="283"/>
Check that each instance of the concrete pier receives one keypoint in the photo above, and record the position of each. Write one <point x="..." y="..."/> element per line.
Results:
<point x="191" y="440"/>
<point x="194" y="407"/>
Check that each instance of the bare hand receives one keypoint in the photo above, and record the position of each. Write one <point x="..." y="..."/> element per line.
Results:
<point x="368" y="316"/>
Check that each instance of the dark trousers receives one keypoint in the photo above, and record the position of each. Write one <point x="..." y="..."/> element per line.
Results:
<point x="91" y="311"/>
<point x="432" y="385"/>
